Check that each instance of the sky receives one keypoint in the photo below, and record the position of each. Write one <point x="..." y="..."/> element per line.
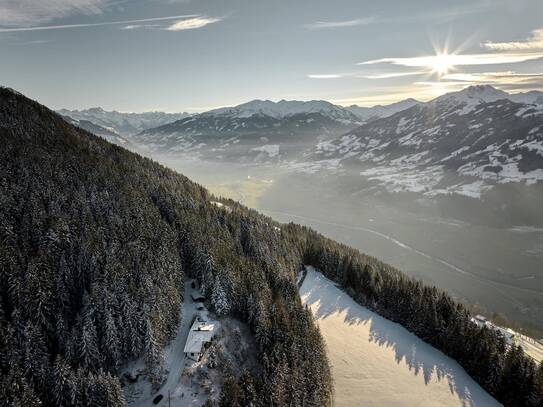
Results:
<point x="183" y="55"/>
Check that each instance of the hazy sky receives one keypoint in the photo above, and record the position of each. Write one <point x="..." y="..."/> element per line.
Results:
<point x="173" y="55"/>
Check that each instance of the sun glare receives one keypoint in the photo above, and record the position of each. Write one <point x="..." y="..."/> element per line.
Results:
<point x="441" y="64"/>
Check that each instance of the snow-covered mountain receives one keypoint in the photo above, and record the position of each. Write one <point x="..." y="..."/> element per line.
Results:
<point x="108" y="133"/>
<point x="368" y="113"/>
<point x="124" y="124"/>
<point x="464" y="142"/>
<point x="533" y="97"/>
<point x="259" y="130"/>
<point x="286" y="108"/>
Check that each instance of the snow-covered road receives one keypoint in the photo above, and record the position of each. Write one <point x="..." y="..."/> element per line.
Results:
<point x="173" y="354"/>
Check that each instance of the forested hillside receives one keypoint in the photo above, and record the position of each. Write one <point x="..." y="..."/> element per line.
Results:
<point x="95" y="242"/>
<point x="94" y="245"/>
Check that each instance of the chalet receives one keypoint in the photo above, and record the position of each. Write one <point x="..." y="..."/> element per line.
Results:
<point x="201" y="332"/>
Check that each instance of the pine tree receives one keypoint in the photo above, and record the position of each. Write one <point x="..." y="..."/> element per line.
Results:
<point x="154" y="358"/>
<point x="219" y="299"/>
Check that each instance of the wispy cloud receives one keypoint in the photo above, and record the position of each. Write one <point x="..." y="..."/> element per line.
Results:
<point x="18" y="13"/>
<point x="491" y="76"/>
<point x="131" y="23"/>
<point x="459" y="59"/>
<point x="394" y="75"/>
<point x="506" y="80"/>
<point x="534" y="42"/>
<point x="325" y="76"/>
<point x="192" y="23"/>
<point x="359" y="75"/>
<point x="340" y="24"/>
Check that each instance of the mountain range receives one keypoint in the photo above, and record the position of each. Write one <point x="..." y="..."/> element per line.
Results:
<point x="123" y="124"/>
<point x="260" y="130"/>
<point x="461" y="143"/>
<point x="464" y="142"/>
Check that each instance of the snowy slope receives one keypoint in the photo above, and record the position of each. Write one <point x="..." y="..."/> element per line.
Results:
<point x="376" y="362"/>
<point x="286" y="108"/>
<point x="375" y="112"/>
<point x="243" y="132"/>
<point x="533" y="97"/>
<point x="240" y="132"/>
<point x="462" y="143"/>
<point x="109" y="134"/>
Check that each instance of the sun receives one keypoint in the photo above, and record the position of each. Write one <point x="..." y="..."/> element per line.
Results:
<point x="441" y="64"/>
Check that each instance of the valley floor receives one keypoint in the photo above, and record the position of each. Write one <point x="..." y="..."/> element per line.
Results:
<point x="376" y="362"/>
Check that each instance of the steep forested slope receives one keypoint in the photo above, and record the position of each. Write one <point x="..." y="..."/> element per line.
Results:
<point x="94" y="245"/>
<point x="95" y="242"/>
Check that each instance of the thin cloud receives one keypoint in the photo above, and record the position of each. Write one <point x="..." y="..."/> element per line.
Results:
<point x="325" y="76"/>
<point x="366" y="76"/>
<point x="17" y="13"/>
<point x="534" y="42"/>
<point x="65" y="26"/>
<point x="192" y="23"/>
<point x="459" y="59"/>
<point x="487" y="76"/>
<point x="394" y="75"/>
<point x="503" y="79"/>
<point x="340" y="24"/>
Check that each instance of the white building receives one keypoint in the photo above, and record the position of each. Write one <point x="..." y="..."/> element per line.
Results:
<point x="200" y="333"/>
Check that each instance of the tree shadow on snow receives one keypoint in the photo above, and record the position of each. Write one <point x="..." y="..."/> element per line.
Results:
<point x="325" y="300"/>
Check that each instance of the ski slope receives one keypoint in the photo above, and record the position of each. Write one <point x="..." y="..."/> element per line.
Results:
<point x="376" y="362"/>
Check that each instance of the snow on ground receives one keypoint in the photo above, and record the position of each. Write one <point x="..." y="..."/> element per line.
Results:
<point x="376" y="362"/>
<point x="191" y="383"/>
<point x="181" y="391"/>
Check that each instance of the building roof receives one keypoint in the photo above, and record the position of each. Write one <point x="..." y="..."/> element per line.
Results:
<point x="200" y="332"/>
<point x="202" y="326"/>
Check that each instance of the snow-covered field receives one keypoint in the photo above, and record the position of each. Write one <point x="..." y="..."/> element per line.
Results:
<point x="376" y="362"/>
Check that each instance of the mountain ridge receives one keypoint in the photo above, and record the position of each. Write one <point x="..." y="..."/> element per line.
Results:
<point x="125" y="124"/>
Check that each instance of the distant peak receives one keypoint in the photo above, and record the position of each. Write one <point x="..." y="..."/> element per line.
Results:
<point x="96" y="110"/>
<point x="475" y="93"/>
<point x="483" y="89"/>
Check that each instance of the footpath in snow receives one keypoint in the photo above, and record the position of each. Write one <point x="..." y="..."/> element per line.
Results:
<point x="376" y="362"/>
